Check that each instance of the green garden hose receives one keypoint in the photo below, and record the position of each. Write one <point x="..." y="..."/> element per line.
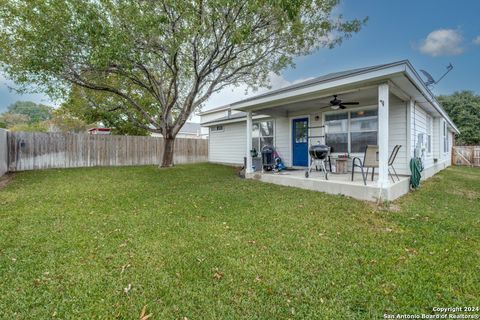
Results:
<point x="416" y="168"/>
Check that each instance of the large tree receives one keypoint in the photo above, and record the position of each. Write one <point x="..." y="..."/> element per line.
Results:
<point x="464" y="109"/>
<point x="162" y="58"/>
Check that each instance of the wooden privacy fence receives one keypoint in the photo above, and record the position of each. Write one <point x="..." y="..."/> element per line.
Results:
<point x="466" y="156"/>
<point x="30" y="151"/>
<point x="3" y="152"/>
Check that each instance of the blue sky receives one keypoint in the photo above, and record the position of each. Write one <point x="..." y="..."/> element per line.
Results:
<point x="430" y="33"/>
<point x="398" y="30"/>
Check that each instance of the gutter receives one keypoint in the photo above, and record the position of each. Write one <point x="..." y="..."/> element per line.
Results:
<point x="226" y="121"/>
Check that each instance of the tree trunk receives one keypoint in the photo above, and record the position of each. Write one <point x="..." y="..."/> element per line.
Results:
<point x="168" y="148"/>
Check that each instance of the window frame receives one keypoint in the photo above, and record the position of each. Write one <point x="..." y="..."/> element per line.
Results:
<point x="445" y="137"/>
<point x="429" y="130"/>
<point x="257" y="121"/>
<point x="216" y="128"/>
<point x="349" y="116"/>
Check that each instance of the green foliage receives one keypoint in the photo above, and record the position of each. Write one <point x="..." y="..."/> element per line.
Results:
<point x="33" y="111"/>
<point x="8" y="119"/>
<point x="64" y="121"/>
<point x="99" y="107"/>
<point x="162" y="59"/>
<point x="72" y="240"/>
<point x="40" y="126"/>
<point x="464" y="109"/>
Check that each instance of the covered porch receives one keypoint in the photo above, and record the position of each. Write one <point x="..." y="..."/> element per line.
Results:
<point x="337" y="184"/>
<point x="377" y="116"/>
<point x="377" y="113"/>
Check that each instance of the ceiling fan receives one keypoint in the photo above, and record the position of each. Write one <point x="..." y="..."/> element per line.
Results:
<point x="337" y="103"/>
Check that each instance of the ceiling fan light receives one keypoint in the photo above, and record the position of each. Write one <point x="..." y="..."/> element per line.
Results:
<point x="335" y="107"/>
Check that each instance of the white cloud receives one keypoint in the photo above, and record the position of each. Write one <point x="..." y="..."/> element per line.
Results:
<point x="443" y="42"/>
<point x="477" y="40"/>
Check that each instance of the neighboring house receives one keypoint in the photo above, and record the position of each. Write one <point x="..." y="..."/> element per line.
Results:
<point x="190" y="130"/>
<point x="394" y="108"/>
<point x="100" y="131"/>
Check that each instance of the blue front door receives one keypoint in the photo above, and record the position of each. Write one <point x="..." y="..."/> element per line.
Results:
<point x="300" y="142"/>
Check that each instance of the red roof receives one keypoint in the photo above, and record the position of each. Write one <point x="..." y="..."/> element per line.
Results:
<point x="99" y="129"/>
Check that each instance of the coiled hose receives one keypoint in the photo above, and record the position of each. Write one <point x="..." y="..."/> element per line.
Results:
<point x="416" y="167"/>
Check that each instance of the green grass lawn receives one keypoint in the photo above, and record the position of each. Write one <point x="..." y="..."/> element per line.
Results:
<point x="197" y="242"/>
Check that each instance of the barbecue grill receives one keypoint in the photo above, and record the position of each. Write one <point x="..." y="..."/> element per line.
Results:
<point x="318" y="154"/>
<point x="319" y="151"/>
<point x="268" y="161"/>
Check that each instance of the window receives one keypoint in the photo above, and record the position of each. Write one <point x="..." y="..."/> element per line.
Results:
<point x="216" y="128"/>
<point x="445" y="139"/>
<point x="363" y="129"/>
<point x="429" y="134"/>
<point x="262" y="134"/>
<point x="351" y="132"/>
<point x="301" y="132"/>
<point x="336" y="128"/>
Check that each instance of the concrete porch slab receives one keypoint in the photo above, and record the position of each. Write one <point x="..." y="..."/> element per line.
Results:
<point x="336" y="184"/>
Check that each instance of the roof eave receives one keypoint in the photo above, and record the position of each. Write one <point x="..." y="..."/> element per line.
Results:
<point x="226" y="121"/>
<point x="415" y="78"/>
<point x="403" y="66"/>
<point x="201" y="113"/>
<point x="361" y="76"/>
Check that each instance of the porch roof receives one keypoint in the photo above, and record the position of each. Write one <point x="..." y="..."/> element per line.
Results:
<point x="404" y="79"/>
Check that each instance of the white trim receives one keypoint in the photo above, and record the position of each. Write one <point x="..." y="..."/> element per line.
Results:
<point x="216" y="131"/>
<point x="410" y="103"/>
<point x="227" y="121"/>
<point x="214" y="110"/>
<point x="383" y="134"/>
<point x="290" y="131"/>
<point x="429" y="130"/>
<point x="274" y="131"/>
<point x="249" y="163"/>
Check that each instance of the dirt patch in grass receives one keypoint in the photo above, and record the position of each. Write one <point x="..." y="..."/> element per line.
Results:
<point x="469" y="194"/>
<point x="6" y="179"/>
<point x="384" y="206"/>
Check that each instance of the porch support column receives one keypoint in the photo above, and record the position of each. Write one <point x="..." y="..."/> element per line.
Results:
<point x="383" y="108"/>
<point x="248" y="169"/>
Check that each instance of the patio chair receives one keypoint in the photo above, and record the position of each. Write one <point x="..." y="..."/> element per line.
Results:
<point x="370" y="160"/>
<point x="393" y="155"/>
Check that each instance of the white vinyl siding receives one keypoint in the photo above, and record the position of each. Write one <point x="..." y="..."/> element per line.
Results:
<point x="228" y="146"/>
<point x="397" y="134"/>
<point x="419" y="131"/>
<point x="282" y="139"/>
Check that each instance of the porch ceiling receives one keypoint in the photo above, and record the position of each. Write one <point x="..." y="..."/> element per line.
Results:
<point x="365" y="96"/>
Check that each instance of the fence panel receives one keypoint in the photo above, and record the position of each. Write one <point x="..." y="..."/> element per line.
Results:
<point x="466" y="156"/>
<point x="3" y="152"/>
<point x="30" y="151"/>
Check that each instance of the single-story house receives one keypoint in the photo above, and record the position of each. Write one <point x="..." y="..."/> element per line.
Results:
<point x="190" y="130"/>
<point x="384" y="106"/>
